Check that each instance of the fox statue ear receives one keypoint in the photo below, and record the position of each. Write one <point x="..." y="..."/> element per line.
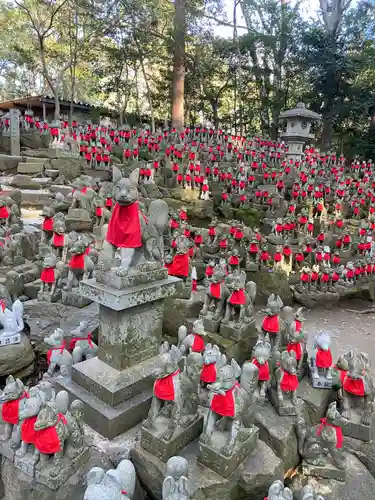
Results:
<point x="116" y="175"/>
<point x="134" y="176"/>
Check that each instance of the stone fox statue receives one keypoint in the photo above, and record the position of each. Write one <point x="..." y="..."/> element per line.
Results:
<point x="138" y="237"/>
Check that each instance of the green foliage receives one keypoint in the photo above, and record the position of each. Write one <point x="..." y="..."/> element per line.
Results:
<point x="249" y="216"/>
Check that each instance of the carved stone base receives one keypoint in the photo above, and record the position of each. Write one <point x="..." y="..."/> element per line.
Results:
<point x="47" y="297"/>
<point x="26" y="464"/>
<point x="134" y="278"/>
<point x="321" y="382"/>
<point x="236" y="333"/>
<point x="287" y="408"/>
<point x="10" y="339"/>
<point x="240" y="351"/>
<point x="328" y="471"/>
<point x="68" y="468"/>
<point x="153" y="442"/>
<point x="211" y="457"/>
<point x="355" y="429"/>
<point x="210" y="325"/>
<point x="6" y="450"/>
<point x="78" y="219"/>
<point x="74" y="298"/>
<point x="252" y="267"/>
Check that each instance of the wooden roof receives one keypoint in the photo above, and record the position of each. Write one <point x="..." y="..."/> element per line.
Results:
<point x="37" y="102"/>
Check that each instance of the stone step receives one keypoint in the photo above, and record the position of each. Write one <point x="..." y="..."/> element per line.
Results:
<point x="51" y="172"/>
<point x="34" y="198"/>
<point x="30" y="168"/>
<point x="34" y="159"/>
<point x="60" y="188"/>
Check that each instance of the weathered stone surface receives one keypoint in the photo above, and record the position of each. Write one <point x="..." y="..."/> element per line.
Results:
<point x="70" y="168"/>
<point x="15" y="358"/>
<point x="240" y="351"/>
<point x="359" y="483"/>
<point x="30" y="168"/>
<point x="365" y="452"/>
<point x="35" y="198"/>
<point x="24" y="182"/>
<point x="9" y="163"/>
<point x="270" y="282"/>
<point x="278" y="433"/>
<point x="205" y="483"/>
<point x="316" y="401"/>
<point x="177" y="312"/>
<point x="259" y="471"/>
<point x="33" y="140"/>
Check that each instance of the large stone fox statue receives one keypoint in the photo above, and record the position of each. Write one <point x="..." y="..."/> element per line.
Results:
<point x="138" y="237"/>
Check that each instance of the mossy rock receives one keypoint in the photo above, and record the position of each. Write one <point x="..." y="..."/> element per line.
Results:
<point x="249" y="216"/>
<point x="271" y="282"/>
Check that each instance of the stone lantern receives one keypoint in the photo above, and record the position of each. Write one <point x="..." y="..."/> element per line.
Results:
<point x="298" y="124"/>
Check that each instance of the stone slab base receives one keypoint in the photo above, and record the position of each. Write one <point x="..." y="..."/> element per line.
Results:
<point x="110" y="385"/>
<point x="211" y="457"/>
<point x="328" y="471"/>
<point x="47" y="297"/>
<point x="320" y="382"/>
<point x="10" y="339"/>
<point x="6" y="450"/>
<point x="287" y="409"/>
<point x="26" y="464"/>
<point x="138" y="278"/>
<point x="205" y="483"/>
<point x="210" y="325"/>
<point x="103" y="418"/>
<point x="74" y="299"/>
<point x="240" y="351"/>
<point x="153" y="442"/>
<point x="245" y="330"/>
<point x="357" y="430"/>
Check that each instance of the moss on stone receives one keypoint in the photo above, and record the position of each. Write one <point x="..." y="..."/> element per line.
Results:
<point x="249" y="216"/>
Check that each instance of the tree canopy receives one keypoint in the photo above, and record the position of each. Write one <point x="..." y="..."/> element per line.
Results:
<point x="169" y="62"/>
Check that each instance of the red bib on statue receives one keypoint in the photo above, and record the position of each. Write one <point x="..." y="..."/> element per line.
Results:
<point x="77" y="262"/>
<point x="47" y="440"/>
<point x="124" y="228"/>
<point x="215" y="290"/>
<point x="47" y="224"/>
<point x="48" y="275"/>
<point x="271" y="324"/>
<point x="58" y="240"/>
<point x="238" y="297"/>
<point x="208" y="374"/>
<point x="198" y="343"/>
<point x="4" y="213"/>
<point x="28" y="433"/>
<point x="263" y="370"/>
<point x="9" y="411"/>
<point x="289" y="382"/>
<point x="163" y="387"/>
<point x="180" y="265"/>
<point x="297" y="348"/>
<point x="354" y="386"/>
<point x="224" y="405"/>
<point x="323" y="358"/>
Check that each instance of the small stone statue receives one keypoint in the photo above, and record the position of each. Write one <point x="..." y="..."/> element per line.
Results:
<point x="115" y="484"/>
<point x="14" y="392"/>
<point x="81" y="345"/>
<point x="212" y="361"/>
<point x="231" y="402"/>
<point x="261" y="356"/>
<point x="176" y="484"/>
<point x="321" y="361"/>
<point x="216" y="295"/>
<point x="308" y="493"/>
<point x="179" y="387"/>
<point x="195" y="341"/>
<point x="50" y="276"/>
<point x="80" y="265"/>
<point x="139" y="238"/>
<point x="58" y="356"/>
<point x="321" y="446"/>
<point x="287" y="383"/>
<point x="295" y="339"/>
<point x="357" y="397"/>
<point x="11" y="320"/>
<point x="60" y="241"/>
<point x="271" y="322"/>
<point x="277" y="491"/>
<point x="239" y="301"/>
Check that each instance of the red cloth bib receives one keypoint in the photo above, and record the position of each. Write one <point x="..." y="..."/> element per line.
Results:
<point x="271" y="324"/>
<point x="238" y="297"/>
<point x="74" y="340"/>
<point x="289" y="382"/>
<point x="47" y="441"/>
<point x="323" y="358"/>
<point x="339" y="434"/>
<point x="9" y="412"/>
<point x="198" y="343"/>
<point x="297" y="348"/>
<point x="234" y="260"/>
<point x="124" y="228"/>
<point x="49" y="353"/>
<point x="354" y="386"/>
<point x="215" y="290"/>
<point x="77" y="262"/>
<point x="180" y="265"/>
<point x="208" y="373"/>
<point x="263" y="370"/>
<point x="108" y="202"/>
<point x="163" y="387"/>
<point x="4" y="212"/>
<point x="48" y="275"/>
<point x="47" y="224"/>
<point x="224" y="405"/>
<point x="28" y="433"/>
<point x="99" y="211"/>
<point x="58" y="240"/>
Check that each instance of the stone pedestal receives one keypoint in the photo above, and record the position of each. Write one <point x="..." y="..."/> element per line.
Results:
<point x="116" y="386"/>
<point x="153" y="442"/>
<point x="328" y="471"/>
<point x="78" y="219"/>
<point x="48" y="297"/>
<point x="287" y="408"/>
<point x="355" y="429"/>
<point x="320" y="382"/>
<point x="232" y="331"/>
<point x="10" y="339"/>
<point x="240" y="351"/>
<point x="210" y="324"/>
<point x="211" y="457"/>
<point x="74" y="298"/>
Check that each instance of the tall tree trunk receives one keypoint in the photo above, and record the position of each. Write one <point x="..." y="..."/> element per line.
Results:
<point x="57" y="104"/>
<point x="178" y="77"/>
<point x="149" y="99"/>
<point x="215" y="115"/>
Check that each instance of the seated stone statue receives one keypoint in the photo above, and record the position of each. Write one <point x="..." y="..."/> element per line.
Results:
<point x="176" y="484"/>
<point x="115" y="484"/>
